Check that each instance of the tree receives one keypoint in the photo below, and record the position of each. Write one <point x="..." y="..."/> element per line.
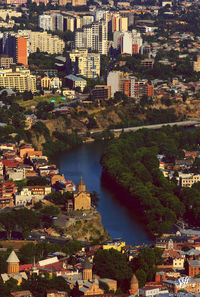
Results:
<point x="141" y="276"/>
<point x="27" y="253"/>
<point x="94" y="198"/>
<point x="144" y="265"/>
<point x="8" y="220"/>
<point x="72" y="247"/>
<point x="112" y="264"/>
<point x="38" y="181"/>
<point x="50" y="210"/>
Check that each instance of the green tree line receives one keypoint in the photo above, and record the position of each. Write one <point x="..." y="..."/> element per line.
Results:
<point x="131" y="161"/>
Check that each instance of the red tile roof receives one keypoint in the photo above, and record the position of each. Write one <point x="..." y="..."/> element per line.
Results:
<point x="10" y="163"/>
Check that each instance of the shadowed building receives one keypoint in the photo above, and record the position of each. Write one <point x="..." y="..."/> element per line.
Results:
<point x="87" y="270"/>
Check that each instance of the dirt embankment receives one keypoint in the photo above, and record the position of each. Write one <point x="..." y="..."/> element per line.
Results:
<point x="112" y="116"/>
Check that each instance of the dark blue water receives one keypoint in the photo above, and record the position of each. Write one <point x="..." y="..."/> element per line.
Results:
<point x="117" y="220"/>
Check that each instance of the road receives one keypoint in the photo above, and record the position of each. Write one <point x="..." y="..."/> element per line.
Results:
<point x="34" y="235"/>
<point x="157" y="126"/>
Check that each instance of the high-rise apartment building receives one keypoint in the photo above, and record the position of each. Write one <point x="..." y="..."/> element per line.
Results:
<point x="123" y="24"/>
<point x="129" y="85"/>
<point x="128" y="42"/>
<point x="57" y="22"/>
<point x="46" y="43"/>
<point x="87" y="64"/>
<point x="43" y="41"/>
<point x="119" y="22"/>
<point x="99" y="14"/>
<point x="69" y="23"/>
<point x="21" y="50"/>
<point x="51" y="22"/>
<point x="94" y="37"/>
<point x="87" y="19"/>
<point x="45" y="22"/>
<point x="21" y="80"/>
<point x="114" y="81"/>
<point x="16" y="47"/>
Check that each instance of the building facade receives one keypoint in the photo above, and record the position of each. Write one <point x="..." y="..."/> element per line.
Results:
<point x="86" y="64"/>
<point x="21" y="80"/>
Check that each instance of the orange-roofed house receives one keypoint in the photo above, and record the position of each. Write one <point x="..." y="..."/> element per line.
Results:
<point x="24" y="150"/>
<point x="34" y="153"/>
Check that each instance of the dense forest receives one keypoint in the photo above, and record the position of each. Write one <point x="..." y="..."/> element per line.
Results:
<point x="131" y="161"/>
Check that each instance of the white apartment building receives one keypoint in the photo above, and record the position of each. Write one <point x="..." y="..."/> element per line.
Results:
<point x="99" y="14"/>
<point x="87" y="19"/>
<point x="126" y="43"/>
<point x="94" y="37"/>
<point x="46" y="22"/>
<point x="127" y="40"/>
<point x="51" y="22"/>
<point x="113" y="80"/>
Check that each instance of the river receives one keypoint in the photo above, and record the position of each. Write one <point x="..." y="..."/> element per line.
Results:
<point x="117" y="220"/>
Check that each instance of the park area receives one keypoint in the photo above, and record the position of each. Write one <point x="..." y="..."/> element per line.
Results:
<point x="56" y="99"/>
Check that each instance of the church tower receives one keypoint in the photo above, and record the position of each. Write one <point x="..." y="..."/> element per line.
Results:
<point x="87" y="270"/>
<point x="134" y="285"/>
<point x="13" y="263"/>
<point x="81" y="198"/>
<point x="81" y="186"/>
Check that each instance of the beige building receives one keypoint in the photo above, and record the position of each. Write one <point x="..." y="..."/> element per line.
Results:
<point x="21" y="80"/>
<point x="5" y="61"/>
<point x="196" y="64"/>
<point x="70" y="21"/>
<point x="46" y="43"/>
<point x="123" y="24"/>
<point x="79" y="2"/>
<point x="63" y="2"/>
<point x="88" y="63"/>
<point x="9" y="12"/>
<point x="178" y="263"/>
<point x="188" y="179"/>
<point x="45" y="82"/>
<point x="43" y="41"/>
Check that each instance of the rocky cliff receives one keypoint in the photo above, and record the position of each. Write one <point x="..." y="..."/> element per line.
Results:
<point x="85" y="226"/>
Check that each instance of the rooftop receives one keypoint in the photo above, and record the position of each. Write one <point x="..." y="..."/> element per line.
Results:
<point x="74" y="78"/>
<point x="12" y="258"/>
